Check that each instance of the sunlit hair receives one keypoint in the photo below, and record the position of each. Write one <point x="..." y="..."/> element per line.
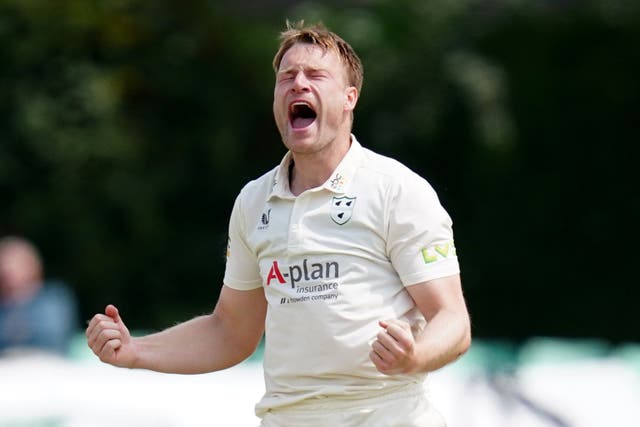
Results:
<point x="319" y="35"/>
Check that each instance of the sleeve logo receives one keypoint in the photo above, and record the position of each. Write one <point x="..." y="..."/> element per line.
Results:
<point x="438" y="252"/>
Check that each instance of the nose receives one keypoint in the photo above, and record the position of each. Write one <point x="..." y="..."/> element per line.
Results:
<point x="300" y="83"/>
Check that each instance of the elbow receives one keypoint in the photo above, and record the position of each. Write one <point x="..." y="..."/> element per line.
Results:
<point x="465" y="344"/>
<point x="465" y="340"/>
<point x="247" y="348"/>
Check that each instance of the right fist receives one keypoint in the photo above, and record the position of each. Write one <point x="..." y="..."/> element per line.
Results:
<point x="109" y="338"/>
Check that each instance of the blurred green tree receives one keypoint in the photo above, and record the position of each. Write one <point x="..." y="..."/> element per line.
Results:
<point x="128" y="127"/>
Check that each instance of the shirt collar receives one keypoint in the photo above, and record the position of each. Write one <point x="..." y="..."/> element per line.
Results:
<point x="342" y="177"/>
<point x="339" y="181"/>
<point x="280" y="187"/>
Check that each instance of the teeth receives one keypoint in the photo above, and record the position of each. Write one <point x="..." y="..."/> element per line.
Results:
<point x="299" y="103"/>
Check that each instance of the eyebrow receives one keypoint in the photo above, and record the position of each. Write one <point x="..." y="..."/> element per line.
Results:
<point x="303" y="68"/>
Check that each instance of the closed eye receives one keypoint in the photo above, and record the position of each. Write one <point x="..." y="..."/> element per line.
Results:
<point x="285" y="77"/>
<point x="317" y="75"/>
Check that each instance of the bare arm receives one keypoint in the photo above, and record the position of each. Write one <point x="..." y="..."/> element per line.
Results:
<point x="446" y="336"/>
<point x="203" y="344"/>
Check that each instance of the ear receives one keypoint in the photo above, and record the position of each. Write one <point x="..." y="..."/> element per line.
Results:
<point x="350" y="98"/>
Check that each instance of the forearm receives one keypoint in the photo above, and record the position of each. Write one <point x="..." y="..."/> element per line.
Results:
<point x="445" y="338"/>
<point x="203" y="344"/>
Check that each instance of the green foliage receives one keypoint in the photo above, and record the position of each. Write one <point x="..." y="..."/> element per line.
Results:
<point x="128" y="127"/>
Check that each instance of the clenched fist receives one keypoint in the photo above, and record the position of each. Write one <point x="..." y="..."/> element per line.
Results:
<point x="110" y="340"/>
<point x="394" y="350"/>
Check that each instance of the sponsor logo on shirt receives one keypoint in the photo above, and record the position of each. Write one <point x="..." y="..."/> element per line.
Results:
<point x="342" y="209"/>
<point x="312" y="281"/>
<point x="306" y="271"/>
<point x="438" y="252"/>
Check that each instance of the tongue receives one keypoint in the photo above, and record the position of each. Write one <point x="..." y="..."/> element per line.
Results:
<point x="301" y="122"/>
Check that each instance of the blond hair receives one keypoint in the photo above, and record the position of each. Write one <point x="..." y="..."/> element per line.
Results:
<point x="319" y="35"/>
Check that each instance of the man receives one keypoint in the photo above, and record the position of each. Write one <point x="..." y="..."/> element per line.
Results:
<point x="346" y="258"/>
<point x="34" y="315"/>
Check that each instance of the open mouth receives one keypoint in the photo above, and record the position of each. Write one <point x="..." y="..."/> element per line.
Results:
<point x="301" y="115"/>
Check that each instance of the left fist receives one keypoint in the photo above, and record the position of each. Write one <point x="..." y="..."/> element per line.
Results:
<point x="394" y="350"/>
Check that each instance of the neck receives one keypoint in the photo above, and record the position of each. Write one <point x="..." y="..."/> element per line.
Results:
<point x="314" y="169"/>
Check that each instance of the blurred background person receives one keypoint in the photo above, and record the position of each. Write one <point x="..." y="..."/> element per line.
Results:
<point x="35" y="315"/>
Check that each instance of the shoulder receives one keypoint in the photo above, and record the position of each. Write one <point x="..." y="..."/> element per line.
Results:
<point x="253" y="196"/>
<point x="58" y="292"/>
<point x="260" y="187"/>
<point x="394" y="174"/>
<point x="382" y="164"/>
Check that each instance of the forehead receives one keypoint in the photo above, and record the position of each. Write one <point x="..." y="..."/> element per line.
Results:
<point x="304" y="55"/>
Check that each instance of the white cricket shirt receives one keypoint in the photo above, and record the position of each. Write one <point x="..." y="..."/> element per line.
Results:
<point x="334" y="261"/>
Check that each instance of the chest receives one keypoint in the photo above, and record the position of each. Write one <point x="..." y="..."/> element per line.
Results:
<point x="321" y="222"/>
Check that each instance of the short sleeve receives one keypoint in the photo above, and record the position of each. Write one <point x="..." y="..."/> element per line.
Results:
<point x="420" y="235"/>
<point x="242" y="271"/>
